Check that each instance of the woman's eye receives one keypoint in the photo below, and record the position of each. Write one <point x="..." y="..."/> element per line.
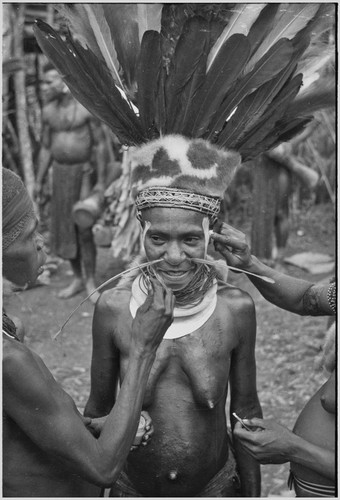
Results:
<point x="157" y="239"/>
<point x="192" y="240"/>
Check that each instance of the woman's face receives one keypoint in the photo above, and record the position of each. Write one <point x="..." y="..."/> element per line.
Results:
<point x="24" y="258"/>
<point x="175" y="235"/>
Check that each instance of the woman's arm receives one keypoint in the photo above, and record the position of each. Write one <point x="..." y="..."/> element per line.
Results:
<point x="275" y="444"/>
<point x="293" y="294"/>
<point x="49" y="417"/>
<point x="243" y="392"/>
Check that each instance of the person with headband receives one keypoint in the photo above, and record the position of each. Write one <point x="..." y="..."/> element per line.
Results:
<point x="310" y="447"/>
<point x="177" y="185"/>
<point x="193" y="91"/>
<point x="48" y="449"/>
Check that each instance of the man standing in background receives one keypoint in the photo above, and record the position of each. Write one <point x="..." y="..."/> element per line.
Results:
<point x="72" y="143"/>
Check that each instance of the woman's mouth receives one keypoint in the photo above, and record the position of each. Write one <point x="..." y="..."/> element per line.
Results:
<point x="174" y="275"/>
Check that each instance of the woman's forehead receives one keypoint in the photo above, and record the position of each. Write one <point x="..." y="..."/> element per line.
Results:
<point x="162" y="217"/>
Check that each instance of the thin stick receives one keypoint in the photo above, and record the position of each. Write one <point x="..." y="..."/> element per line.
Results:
<point x="215" y="264"/>
<point x="107" y="282"/>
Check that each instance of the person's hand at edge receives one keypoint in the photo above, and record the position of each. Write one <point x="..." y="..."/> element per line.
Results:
<point x="232" y="245"/>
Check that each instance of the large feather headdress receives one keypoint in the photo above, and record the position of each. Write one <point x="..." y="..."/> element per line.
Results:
<point x="228" y="73"/>
<point x="243" y="77"/>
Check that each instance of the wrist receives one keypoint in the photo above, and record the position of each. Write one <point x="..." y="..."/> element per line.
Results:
<point x="250" y="263"/>
<point x="294" y="447"/>
<point x="143" y="352"/>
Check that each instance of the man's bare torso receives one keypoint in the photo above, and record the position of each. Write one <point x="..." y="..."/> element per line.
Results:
<point x="186" y="396"/>
<point x="70" y="132"/>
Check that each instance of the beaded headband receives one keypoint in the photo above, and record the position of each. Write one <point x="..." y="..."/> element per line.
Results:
<point x="176" y="198"/>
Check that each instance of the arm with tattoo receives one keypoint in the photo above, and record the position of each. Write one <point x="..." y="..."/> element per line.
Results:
<point x="293" y="294"/>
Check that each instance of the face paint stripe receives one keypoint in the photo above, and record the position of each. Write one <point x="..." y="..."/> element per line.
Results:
<point x="205" y="226"/>
<point x="147" y="226"/>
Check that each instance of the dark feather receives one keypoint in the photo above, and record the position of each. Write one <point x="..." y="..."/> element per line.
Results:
<point x="160" y="116"/>
<point x="187" y="71"/>
<point x="322" y="96"/>
<point x="269" y="119"/>
<point x="173" y="19"/>
<point x="282" y="132"/>
<point x="217" y="15"/>
<point x="290" y="20"/>
<point x="262" y="26"/>
<point x="274" y="138"/>
<point x="148" y="79"/>
<point x="277" y="58"/>
<point x="226" y="68"/>
<point x="255" y="105"/>
<point x="124" y="31"/>
<point x="248" y="113"/>
<point x="77" y="20"/>
<point x="90" y="82"/>
<point x="321" y="21"/>
<point x="287" y="129"/>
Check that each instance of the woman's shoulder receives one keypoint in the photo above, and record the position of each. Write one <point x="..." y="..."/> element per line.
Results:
<point x="15" y="357"/>
<point x="114" y="300"/>
<point x="236" y="297"/>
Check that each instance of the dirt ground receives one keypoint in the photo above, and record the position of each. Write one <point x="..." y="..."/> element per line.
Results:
<point x="287" y="344"/>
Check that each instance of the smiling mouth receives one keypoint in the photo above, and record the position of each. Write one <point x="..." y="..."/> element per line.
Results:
<point x="174" y="274"/>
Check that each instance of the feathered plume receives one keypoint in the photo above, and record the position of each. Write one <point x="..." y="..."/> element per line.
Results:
<point x="114" y="35"/>
<point x="238" y="75"/>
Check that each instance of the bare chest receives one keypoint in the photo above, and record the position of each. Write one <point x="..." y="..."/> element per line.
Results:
<point x="195" y="366"/>
<point x="65" y="118"/>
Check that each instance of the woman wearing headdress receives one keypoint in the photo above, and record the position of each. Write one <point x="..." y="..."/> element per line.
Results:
<point x="193" y="90"/>
<point x="48" y="450"/>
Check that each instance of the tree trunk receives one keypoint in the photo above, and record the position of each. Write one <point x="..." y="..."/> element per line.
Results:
<point x="21" y="104"/>
<point x="6" y="55"/>
<point x="264" y="207"/>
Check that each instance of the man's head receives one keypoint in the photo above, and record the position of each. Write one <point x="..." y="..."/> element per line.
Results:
<point x="177" y="236"/>
<point x="178" y="184"/>
<point x="22" y="246"/>
<point x="53" y="86"/>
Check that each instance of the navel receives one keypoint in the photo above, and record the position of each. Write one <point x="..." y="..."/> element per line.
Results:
<point x="173" y="475"/>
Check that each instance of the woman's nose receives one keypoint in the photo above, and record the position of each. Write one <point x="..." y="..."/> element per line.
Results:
<point x="174" y="254"/>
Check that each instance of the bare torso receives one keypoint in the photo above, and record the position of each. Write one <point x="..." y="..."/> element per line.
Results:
<point x="186" y="397"/>
<point x="28" y="470"/>
<point x="317" y="426"/>
<point x="70" y="133"/>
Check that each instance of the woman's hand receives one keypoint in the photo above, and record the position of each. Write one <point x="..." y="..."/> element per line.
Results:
<point x="232" y="245"/>
<point x="269" y="442"/>
<point x="152" y="319"/>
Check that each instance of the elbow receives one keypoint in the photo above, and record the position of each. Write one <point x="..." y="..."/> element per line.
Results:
<point x="107" y="475"/>
<point x="106" y="465"/>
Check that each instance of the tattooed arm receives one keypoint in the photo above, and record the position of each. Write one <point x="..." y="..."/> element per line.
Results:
<point x="293" y="294"/>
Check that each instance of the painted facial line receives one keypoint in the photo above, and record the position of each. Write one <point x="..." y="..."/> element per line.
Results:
<point x="205" y="226"/>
